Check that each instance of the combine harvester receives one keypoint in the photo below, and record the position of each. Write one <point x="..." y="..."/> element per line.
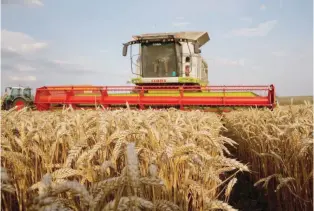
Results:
<point x="170" y="73"/>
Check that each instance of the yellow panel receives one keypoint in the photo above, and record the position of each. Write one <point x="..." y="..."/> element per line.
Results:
<point x="177" y="93"/>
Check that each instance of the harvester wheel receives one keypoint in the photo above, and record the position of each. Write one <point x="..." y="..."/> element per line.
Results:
<point x="20" y="103"/>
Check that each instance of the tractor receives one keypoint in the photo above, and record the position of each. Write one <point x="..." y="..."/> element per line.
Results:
<point x="17" y="97"/>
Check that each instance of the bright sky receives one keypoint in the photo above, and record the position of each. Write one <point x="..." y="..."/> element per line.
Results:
<point x="68" y="42"/>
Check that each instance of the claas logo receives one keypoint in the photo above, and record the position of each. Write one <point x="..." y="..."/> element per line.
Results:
<point x="158" y="80"/>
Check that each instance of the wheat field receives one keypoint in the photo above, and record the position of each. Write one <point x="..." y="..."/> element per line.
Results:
<point x="102" y="160"/>
<point x="278" y="145"/>
<point x="154" y="160"/>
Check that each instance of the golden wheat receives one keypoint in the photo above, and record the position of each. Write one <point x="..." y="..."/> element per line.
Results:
<point x="116" y="160"/>
<point x="279" y="147"/>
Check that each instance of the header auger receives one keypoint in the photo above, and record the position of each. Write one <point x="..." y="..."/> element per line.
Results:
<point x="170" y="73"/>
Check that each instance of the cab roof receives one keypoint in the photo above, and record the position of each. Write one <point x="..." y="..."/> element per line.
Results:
<point x="200" y="37"/>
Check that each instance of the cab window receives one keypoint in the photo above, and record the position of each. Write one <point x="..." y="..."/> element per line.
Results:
<point x="15" y="92"/>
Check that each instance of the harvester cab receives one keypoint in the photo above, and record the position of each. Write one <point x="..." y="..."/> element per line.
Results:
<point x="169" y="59"/>
<point x="17" y="96"/>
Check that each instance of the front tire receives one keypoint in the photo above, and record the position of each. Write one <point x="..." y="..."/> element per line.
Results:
<point x="20" y="103"/>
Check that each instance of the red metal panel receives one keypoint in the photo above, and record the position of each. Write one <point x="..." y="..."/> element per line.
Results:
<point x="45" y="96"/>
<point x="134" y="100"/>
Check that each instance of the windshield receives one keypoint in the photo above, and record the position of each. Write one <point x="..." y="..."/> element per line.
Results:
<point x="27" y="92"/>
<point x="159" y="60"/>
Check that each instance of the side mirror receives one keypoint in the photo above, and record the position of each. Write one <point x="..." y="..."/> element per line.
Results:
<point x="197" y="49"/>
<point x="125" y="50"/>
<point x="8" y="89"/>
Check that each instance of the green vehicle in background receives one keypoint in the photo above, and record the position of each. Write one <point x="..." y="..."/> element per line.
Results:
<point x="17" y="96"/>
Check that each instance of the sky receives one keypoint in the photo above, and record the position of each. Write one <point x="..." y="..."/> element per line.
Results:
<point x="71" y="42"/>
